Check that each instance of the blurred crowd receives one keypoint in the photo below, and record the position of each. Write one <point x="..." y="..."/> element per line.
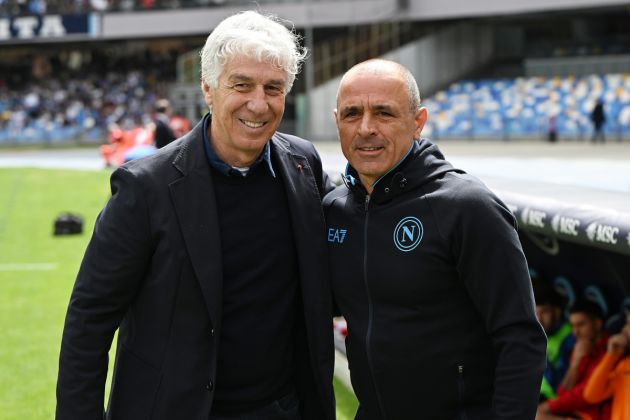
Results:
<point x="40" y="7"/>
<point x="82" y="102"/>
<point x="79" y="96"/>
<point x="588" y="356"/>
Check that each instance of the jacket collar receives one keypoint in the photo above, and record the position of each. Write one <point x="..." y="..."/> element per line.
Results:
<point x="198" y="218"/>
<point x="422" y="163"/>
<point x="191" y="156"/>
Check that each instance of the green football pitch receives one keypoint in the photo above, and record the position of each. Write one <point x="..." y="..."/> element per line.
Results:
<point x="37" y="272"/>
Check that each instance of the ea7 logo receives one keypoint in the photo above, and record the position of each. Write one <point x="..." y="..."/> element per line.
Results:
<point x="408" y="234"/>
<point x="336" y="235"/>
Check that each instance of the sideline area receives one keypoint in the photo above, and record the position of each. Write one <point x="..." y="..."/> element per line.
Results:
<point x="574" y="172"/>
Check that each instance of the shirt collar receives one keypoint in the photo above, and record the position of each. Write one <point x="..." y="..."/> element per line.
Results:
<point x="217" y="163"/>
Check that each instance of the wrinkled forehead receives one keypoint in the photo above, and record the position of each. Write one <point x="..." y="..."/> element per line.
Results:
<point x="251" y="67"/>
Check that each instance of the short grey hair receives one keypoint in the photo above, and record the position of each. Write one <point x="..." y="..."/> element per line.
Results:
<point x="382" y="66"/>
<point x="258" y="36"/>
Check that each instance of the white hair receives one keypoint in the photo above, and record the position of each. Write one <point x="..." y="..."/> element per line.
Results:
<point x="251" y="34"/>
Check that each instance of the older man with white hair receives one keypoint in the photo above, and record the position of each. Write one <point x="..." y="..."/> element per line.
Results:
<point x="210" y="259"/>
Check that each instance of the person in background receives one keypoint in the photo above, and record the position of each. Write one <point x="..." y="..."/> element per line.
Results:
<point x="587" y="323"/>
<point x="598" y="117"/>
<point x="210" y="260"/>
<point x="163" y="133"/>
<point x="550" y="307"/>
<point x="426" y="267"/>
<point x="552" y="133"/>
<point x="611" y="377"/>
<point x="179" y="124"/>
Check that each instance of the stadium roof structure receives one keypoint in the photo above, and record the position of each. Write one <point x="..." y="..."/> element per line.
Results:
<point x="303" y="13"/>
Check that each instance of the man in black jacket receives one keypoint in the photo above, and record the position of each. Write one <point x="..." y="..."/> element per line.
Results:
<point x="163" y="134"/>
<point x="426" y="267"/>
<point x="210" y="259"/>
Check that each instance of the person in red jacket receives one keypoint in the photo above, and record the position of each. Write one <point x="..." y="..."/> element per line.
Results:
<point x="611" y="377"/>
<point x="587" y="322"/>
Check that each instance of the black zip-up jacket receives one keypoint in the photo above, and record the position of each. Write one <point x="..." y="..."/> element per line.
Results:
<point x="430" y="275"/>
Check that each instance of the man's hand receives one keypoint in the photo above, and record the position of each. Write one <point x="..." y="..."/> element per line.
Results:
<point x="617" y="344"/>
<point x="582" y="348"/>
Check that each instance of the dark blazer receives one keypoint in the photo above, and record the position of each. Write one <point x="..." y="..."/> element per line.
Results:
<point x="153" y="270"/>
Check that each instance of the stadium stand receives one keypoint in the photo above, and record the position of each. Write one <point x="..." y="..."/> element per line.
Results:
<point x="78" y="96"/>
<point x="522" y="107"/>
<point x="451" y="45"/>
<point x="59" y="110"/>
<point x="40" y="7"/>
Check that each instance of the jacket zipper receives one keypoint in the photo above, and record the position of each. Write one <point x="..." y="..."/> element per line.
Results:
<point x="368" y="333"/>
<point x="460" y="389"/>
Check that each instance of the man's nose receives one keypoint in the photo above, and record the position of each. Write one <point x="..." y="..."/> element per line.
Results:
<point x="367" y="127"/>
<point x="258" y="101"/>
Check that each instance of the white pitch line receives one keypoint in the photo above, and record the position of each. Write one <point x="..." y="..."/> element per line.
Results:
<point x="28" y="267"/>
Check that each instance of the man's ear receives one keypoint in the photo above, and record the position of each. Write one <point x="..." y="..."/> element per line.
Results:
<point x="335" y="114"/>
<point x="421" y="118"/>
<point x="207" y="93"/>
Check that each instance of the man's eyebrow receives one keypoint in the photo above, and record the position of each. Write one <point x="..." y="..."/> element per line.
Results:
<point x="382" y="107"/>
<point x="351" y="108"/>
<point x="276" y="82"/>
<point x="237" y="77"/>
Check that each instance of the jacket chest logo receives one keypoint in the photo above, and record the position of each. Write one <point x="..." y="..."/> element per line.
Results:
<point x="408" y="234"/>
<point x="336" y="235"/>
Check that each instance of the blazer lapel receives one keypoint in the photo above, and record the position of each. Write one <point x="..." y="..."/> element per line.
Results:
<point x="195" y="205"/>
<point x="308" y="225"/>
<point x="307" y="222"/>
<point x="302" y="193"/>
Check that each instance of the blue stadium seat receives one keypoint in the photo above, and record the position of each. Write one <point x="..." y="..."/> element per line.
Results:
<point x="522" y="107"/>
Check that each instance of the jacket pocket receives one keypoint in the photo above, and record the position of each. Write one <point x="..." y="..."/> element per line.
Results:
<point x="134" y="388"/>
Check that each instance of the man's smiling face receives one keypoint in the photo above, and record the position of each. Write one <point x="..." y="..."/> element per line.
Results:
<point x="375" y="122"/>
<point x="247" y="106"/>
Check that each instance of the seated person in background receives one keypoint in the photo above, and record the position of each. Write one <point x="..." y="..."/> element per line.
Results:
<point x="587" y="323"/>
<point x="550" y="313"/>
<point x="611" y="377"/>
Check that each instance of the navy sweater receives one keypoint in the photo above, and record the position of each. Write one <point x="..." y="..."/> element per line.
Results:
<point x="255" y="361"/>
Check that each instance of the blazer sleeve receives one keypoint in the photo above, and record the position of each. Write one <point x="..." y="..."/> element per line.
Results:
<point x="112" y="269"/>
<point x="492" y="265"/>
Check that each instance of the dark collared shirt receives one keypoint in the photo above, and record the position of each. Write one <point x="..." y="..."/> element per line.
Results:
<point x="218" y="164"/>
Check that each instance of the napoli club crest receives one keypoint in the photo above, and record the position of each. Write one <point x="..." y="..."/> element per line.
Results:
<point x="408" y="234"/>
